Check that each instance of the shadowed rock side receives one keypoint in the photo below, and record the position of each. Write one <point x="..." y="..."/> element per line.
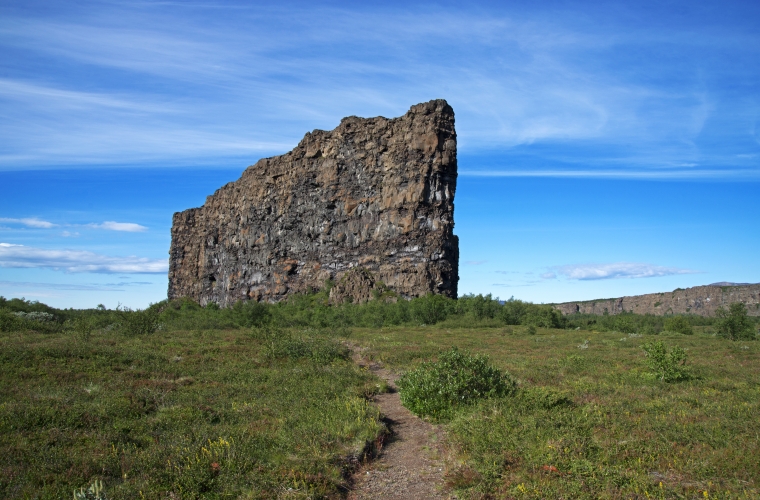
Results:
<point x="374" y="195"/>
<point x="700" y="300"/>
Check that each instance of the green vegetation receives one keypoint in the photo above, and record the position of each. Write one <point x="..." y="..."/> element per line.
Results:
<point x="734" y="324"/>
<point x="437" y="389"/>
<point x="236" y="413"/>
<point x="667" y="364"/>
<point x="678" y="324"/>
<point x="590" y="419"/>
<point x="262" y="401"/>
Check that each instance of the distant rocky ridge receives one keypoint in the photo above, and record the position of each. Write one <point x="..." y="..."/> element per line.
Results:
<point x="368" y="205"/>
<point x="700" y="300"/>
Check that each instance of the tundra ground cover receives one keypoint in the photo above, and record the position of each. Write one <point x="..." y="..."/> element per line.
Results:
<point x="262" y="401"/>
<point x="204" y="414"/>
<point x="592" y="420"/>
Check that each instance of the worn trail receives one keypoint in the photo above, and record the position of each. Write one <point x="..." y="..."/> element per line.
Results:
<point x="410" y="464"/>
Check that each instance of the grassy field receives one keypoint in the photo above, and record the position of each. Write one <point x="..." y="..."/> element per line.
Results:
<point x="222" y="414"/>
<point x="592" y="421"/>
<point x="268" y="412"/>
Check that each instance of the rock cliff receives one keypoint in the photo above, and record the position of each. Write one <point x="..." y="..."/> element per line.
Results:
<point x="374" y="195"/>
<point x="701" y="300"/>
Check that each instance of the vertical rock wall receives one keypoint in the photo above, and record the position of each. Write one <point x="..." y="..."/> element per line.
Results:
<point x="375" y="196"/>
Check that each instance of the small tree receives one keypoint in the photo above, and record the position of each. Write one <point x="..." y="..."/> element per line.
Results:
<point x="734" y="324"/>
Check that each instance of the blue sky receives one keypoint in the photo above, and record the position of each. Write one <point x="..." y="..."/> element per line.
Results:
<point x="605" y="148"/>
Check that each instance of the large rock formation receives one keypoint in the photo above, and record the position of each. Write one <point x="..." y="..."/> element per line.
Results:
<point x="701" y="300"/>
<point x="374" y="196"/>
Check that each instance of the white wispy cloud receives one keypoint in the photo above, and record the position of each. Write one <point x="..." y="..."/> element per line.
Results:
<point x="109" y="225"/>
<point x="44" y="95"/>
<point x="77" y="261"/>
<point x="101" y="287"/>
<point x="616" y="270"/>
<point x="129" y="227"/>
<point x="251" y="80"/>
<point x="30" y="222"/>
<point x="513" y="285"/>
<point x="663" y="174"/>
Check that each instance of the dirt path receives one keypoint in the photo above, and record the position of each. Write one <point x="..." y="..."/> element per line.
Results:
<point x="410" y="465"/>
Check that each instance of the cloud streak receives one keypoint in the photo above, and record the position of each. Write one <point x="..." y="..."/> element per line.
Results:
<point x="663" y="174"/>
<point x="129" y="227"/>
<point x="104" y="287"/>
<point x="77" y="261"/>
<point x="251" y="81"/>
<point x="109" y="225"/>
<point x="30" y="222"/>
<point x="616" y="270"/>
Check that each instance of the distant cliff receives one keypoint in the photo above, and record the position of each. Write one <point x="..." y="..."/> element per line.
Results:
<point x="369" y="205"/>
<point x="700" y="300"/>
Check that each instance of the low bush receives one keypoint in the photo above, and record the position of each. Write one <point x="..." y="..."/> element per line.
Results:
<point x="667" y="364"/>
<point x="678" y="324"/>
<point x="9" y="322"/>
<point x="437" y="389"/>
<point x="20" y="320"/>
<point x="137" y="322"/>
<point x="81" y="326"/>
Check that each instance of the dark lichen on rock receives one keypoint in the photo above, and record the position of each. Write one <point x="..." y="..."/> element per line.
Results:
<point x="374" y="194"/>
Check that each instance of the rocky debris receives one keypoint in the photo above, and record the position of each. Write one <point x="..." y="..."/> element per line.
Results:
<point x="375" y="194"/>
<point x="700" y="300"/>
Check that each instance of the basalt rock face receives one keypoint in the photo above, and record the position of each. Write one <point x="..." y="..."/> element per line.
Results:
<point x="375" y="195"/>
<point x="700" y="300"/>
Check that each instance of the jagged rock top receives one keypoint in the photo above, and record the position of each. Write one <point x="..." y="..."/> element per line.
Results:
<point x="374" y="194"/>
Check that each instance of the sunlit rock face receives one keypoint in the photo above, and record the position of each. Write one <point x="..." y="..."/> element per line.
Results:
<point x="700" y="300"/>
<point x="374" y="195"/>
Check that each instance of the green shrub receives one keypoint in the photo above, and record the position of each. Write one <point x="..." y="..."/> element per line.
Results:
<point x="667" y="364"/>
<point x="34" y="320"/>
<point x="734" y="324"/>
<point x="513" y="311"/>
<point x="458" y="378"/>
<point x="82" y="326"/>
<point x="430" y="309"/>
<point x="544" y="317"/>
<point x="649" y="330"/>
<point x="625" y="324"/>
<point x="137" y="322"/>
<point x="9" y="322"/>
<point x="679" y="324"/>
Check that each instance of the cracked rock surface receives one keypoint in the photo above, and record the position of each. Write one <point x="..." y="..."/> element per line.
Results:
<point x="374" y="194"/>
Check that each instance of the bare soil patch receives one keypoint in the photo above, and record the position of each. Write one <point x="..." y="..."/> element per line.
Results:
<point x="410" y="464"/>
